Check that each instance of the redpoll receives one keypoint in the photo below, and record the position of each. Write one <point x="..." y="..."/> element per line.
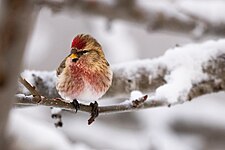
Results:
<point x="85" y="74"/>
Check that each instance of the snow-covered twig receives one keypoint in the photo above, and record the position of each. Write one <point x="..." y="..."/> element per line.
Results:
<point x="180" y="75"/>
<point x="170" y="16"/>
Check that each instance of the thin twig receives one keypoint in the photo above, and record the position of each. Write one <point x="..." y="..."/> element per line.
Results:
<point x="139" y="102"/>
<point x="31" y="88"/>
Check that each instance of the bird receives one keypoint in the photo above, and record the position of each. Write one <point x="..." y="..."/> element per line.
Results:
<point x="84" y="75"/>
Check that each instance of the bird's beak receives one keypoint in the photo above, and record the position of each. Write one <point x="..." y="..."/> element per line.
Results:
<point x="73" y="56"/>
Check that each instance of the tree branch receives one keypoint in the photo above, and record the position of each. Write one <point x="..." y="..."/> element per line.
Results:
<point x="145" y="76"/>
<point x="153" y="18"/>
<point x="140" y="103"/>
<point x="169" y="79"/>
<point x="30" y="88"/>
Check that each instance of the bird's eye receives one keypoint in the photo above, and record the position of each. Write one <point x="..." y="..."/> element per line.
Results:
<point x="75" y="56"/>
<point x="85" y="51"/>
<point x="80" y="53"/>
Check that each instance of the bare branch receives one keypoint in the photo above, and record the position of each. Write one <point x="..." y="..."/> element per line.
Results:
<point x="30" y="88"/>
<point x="139" y="102"/>
<point x="152" y="18"/>
<point x="122" y="107"/>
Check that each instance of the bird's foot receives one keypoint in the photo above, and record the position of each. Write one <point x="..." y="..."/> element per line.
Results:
<point x="94" y="112"/>
<point x="76" y="105"/>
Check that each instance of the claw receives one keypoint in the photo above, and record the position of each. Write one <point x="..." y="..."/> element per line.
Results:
<point x="94" y="112"/>
<point x="76" y="105"/>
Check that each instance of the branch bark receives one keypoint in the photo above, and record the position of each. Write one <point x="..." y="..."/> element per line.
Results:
<point x="153" y="19"/>
<point x="30" y="88"/>
<point x="116" y="108"/>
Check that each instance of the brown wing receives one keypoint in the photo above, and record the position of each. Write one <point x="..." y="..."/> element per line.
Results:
<point x="61" y="67"/>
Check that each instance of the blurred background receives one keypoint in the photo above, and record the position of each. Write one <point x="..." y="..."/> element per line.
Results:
<point x="196" y="125"/>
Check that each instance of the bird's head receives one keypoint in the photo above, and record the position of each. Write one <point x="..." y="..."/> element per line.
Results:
<point x="85" y="41"/>
<point x="85" y="47"/>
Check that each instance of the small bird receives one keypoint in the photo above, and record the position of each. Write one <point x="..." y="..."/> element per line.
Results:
<point x="85" y="74"/>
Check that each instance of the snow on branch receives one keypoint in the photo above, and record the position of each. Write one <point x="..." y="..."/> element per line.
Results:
<point x="180" y="75"/>
<point x="170" y="16"/>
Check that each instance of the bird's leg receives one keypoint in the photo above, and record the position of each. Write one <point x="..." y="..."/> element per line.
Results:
<point x="94" y="112"/>
<point x="76" y="105"/>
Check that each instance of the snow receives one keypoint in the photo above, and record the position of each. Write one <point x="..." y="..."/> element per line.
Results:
<point x="189" y="11"/>
<point x="29" y="125"/>
<point x="105" y="135"/>
<point x="183" y="64"/>
<point x="215" y="10"/>
<point x="135" y="95"/>
<point x="166" y="7"/>
<point x="158" y="122"/>
<point x="50" y="77"/>
<point x="33" y="128"/>
<point x="185" y="10"/>
<point x="56" y="110"/>
<point x="118" y="37"/>
<point x="22" y="95"/>
<point x="185" y="68"/>
<point x="30" y="134"/>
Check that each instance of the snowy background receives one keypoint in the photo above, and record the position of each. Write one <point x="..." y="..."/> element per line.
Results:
<point x="196" y="125"/>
